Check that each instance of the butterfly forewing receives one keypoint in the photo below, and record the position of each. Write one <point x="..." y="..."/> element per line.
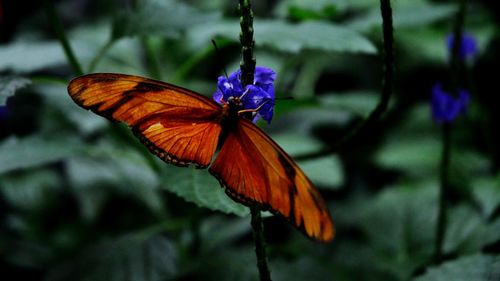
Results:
<point x="176" y="124"/>
<point x="254" y="169"/>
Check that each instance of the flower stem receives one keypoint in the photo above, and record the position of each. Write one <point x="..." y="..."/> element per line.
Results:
<point x="247" y="64"/>
<point x="443" y="192"/>
<point x="387" y="82"/>
<point x="456" y="62"/>
<point x="456" y="69"/>
<point x="55" y="21"/>
<point x="247" y="67"/>
<point x="100" y="55"/>
<point x="152" y="62"/>
<point x="260" y="245"/>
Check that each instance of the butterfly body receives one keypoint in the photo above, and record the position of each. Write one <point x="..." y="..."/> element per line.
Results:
<point x="183" y="127"/>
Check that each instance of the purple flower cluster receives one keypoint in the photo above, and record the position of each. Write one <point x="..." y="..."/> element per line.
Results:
<point x="468" y="46"/>
<point x="445" y="107"/>
<point x="259" y="95"/>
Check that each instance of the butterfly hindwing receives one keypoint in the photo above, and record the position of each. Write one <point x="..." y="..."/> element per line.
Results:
<point x="255" y="170"/>
<point x="178" y="125"/>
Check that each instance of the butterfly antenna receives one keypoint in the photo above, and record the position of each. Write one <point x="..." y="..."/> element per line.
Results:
<point x="219" y="57"/>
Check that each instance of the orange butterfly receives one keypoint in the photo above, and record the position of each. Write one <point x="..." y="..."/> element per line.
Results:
<point x="182" y="127"/>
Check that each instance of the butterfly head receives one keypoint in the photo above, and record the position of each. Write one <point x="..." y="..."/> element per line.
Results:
<point x="252" y="101"/>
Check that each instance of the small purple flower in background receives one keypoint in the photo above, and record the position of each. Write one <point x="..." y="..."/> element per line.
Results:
<point x="468" y="45"/>
<point x="4" y="112"/>
<point x="445" y="107"/>
<point x="259" y="94"/>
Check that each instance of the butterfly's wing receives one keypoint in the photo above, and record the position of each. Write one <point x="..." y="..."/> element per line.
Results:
<point x="254" y="169"/>
<point x="176" y="124"/>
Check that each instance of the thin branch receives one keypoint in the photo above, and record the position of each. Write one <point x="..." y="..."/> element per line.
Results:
<point x="247" y="64"/>
<point x="381" y="108"/>
<point x="55" y="21"/>
<point x="260" y="245"/>
<point x="456" y="68"/>
<point x="443" y="192"/>
<point x="100" y="54"/>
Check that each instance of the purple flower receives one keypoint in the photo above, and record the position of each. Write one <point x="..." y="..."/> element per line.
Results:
<point x="4" y="112"/>
<point x="259" y="95"/>
<point x="468" y="45"/>
<point x="445" y="107"/>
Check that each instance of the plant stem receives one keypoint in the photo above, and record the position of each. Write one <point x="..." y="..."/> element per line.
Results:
<point x="387" y="82"/>
<point x="55" y="21"/>
<point x="456" y="69"/>
<point x="443" y="192"/>
<point x="152" y="62"/>
<point x="247" y="64"/>
<point x="100" y="55"/>
<point x="190" y="64"/>
<point x="260" y="245"/>
<point x="247" y="67"/>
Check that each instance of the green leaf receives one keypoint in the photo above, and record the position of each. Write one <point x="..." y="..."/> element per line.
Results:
<point x="57" y="96"/>
<point x="466" y="231"/>
<point x="129" y="258"/>
<point x="360" y="103"/>
<point x="477" y="268"/>
<point x="201" y="188"/>
<point x="156" y="17"/>
<point x="9" y="85"/>
<point x="213" y="239"/>
<point x="417" y="156"/>
<point x="304" y="268"/>
<point x="24" y="252"/>
<point x="312" y="35"/>
<point x="25" y="56"/>
<point x="124" y="171"/>
<point x="31" y="190"/>
<point x="415" y="149"/>
<point x="28" y="55"/>
<point x="487" y="192"/>
<point x="35" y="151"/>
<point x="120" y="56"/>
<point x="288" y="37"/>
<point x="304" y="9"/>
<point x="228" y="264"/>
<point x="324" y="171"/>
<point x="400" y="225"/>
<point x="301" y="121"/>
<point x="406" y="14"/>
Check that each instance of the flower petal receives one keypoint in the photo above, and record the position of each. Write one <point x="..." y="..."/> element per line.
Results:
<point x="264" y="75"/>
<point x="468" y="45"/>
<point x="446" y="108"/>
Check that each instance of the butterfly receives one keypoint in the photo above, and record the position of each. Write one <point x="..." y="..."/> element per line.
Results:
<point x="183" y="127"/>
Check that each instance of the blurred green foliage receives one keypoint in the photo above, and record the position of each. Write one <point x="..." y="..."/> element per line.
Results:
<point x="81" y="199"/>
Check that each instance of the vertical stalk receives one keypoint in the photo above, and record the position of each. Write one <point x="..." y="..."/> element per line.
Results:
<point x="152" y="62"/>
<point x="456" y="69"/>
<point x="260" y="246"/>
<point x="456" y="62"/>
<point x="247" y="67"/>
<point x="55" y="21"/>
<point x="387" y="82"/>
<point x="247" y="64"/>
<point x="443" y="192"/>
